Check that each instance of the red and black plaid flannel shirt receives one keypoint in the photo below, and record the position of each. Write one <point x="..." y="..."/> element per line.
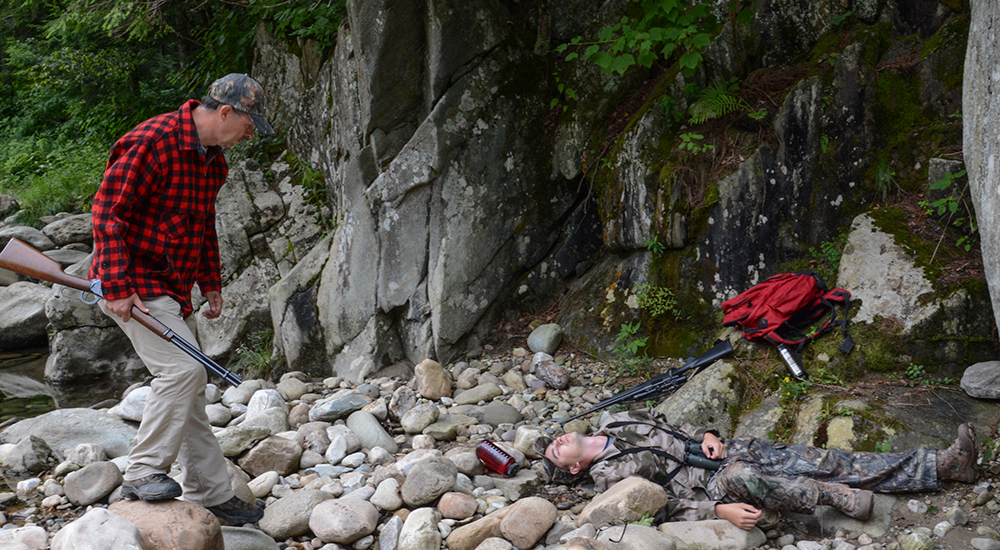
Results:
<point x="154" y="214"/>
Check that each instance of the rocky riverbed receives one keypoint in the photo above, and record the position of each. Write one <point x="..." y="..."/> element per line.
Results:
<point x="390" y="464"/>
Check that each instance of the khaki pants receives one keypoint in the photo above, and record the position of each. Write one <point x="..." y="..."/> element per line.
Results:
<point x="174" y="423"/>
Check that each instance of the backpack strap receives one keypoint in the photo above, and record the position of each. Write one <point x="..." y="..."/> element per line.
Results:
<point x="675" y="435"/>
<point x="664" y="479"/>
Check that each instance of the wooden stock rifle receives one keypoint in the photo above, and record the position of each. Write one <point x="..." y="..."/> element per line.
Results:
<point x="21" y="258"/>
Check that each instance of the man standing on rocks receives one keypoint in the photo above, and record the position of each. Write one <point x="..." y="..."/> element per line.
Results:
<point x="154" y="237"/>
<point x="754" y="473"/>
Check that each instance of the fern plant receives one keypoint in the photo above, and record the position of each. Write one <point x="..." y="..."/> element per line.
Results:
<point x="719" y="100"/>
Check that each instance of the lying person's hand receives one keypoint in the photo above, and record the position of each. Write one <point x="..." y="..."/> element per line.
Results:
<point x="739" y="514"/>
<point x="713" y="447"/>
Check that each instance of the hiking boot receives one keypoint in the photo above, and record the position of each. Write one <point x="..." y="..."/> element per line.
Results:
<point x="958" y="462"/>
<point x="151" y="487"/>
<point x="236" y="511"/>
<point x="856" y="503"/>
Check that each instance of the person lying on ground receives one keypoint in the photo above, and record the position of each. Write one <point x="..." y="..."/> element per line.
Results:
<point x="755" y="474"/>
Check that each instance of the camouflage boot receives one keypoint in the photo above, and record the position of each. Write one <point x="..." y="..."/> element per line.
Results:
<point x="856" y="503"/>
<point x="958" y="462"/>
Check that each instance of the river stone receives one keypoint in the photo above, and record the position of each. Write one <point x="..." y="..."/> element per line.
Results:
<point x="468" y="537"/>
<point x="32" y="537"/>
<point x="545" y="338"/>
<point x="133" y="404"/>
<point x="431" y="380"/>
<point x="28" y="235"/>
<point x="446" y="427"/>
<point x="343" y="521"/>
<point x="237" y="439"/>
<point x="314" y="436"/>
<point x="982" y="380"/>
<point x="457" y="505"/>
<point x="495" y="543"/>
<point x="495" y="414"/>
<point x="717" y="533"/>
<point x="172" y="524"/>
<point x="67" y="257"/>
<point x="483" y="392"/>
<point x="261" y="485"/>
<point x="292" y="388"/>
<point x="29" y="456"/>
<point x="420" y="530"/>
<point x="370" y="431"/>
<point x="289" y="516"/>
<point x="273" y="453"/>
<point x="92" y="483"/>
<point x="628" y="500"/>
<point x="8" y="205"/>
<point x="64" y="429"/>
<point x="246" y="538"/>
<point x="274" y="419"/>
<point x="468" y="379"/>
<point x="388" y="539"/>
<point x="386" y="495"/>
<point x="527" y="521"/>
<point x="22" y="318"/>
<point x="98" y="529"/>
<point x="428" y="480"/>
<point x="403" y="399"/>
<point x="218" y="414"/>
<point x="86" y="453"/>
<point x="338" y="406"/>
<point x="263" y="400"/>
<point x="514" y="380"/>
<point x="419" y="417"/>
<point x="555" y="376"/>
<point x="77" y="228"/>
<point x="240" y="394"/>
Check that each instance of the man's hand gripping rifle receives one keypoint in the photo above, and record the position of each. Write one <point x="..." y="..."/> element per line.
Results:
<point x="665" y="383"/>
<point x="23" y="259"/>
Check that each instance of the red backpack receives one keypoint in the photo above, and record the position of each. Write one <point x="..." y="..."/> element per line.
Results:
<point x="781" y="308"/>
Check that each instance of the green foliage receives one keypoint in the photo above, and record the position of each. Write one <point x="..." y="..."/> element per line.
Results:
<point x="824" y="143"/>
<point x="885" y="179"/>
<point x="719" y="100"/>
<point x="689" y="142"/>
<point x="646" y="520"/>
<point x="884" y="446"/>
<point x="314" y="186"/>
<point x="662" y="29"/>
<point x="254" y="358"/>
<point x="658" y="300"/>
<point x="791" y="389"/>
<point x="655" y="246"/>
<point x="960" y="215"/>
<point x="826" y="259"/>
<point x="630" y="362"/>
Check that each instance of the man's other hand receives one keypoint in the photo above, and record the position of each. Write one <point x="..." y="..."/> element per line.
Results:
<point x="123" y="306"/>
<point x="713" y="447"/>
<point x="742" y="515"/>
<point x="214" y="298"/>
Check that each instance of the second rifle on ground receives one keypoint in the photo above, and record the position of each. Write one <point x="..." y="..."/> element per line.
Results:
<point x="665" y="383"/>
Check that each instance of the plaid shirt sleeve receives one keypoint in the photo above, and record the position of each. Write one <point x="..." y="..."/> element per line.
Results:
<point x="209" y="278"/>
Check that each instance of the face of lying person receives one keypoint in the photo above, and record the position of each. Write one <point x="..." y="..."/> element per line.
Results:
<point x="567" y="452"/>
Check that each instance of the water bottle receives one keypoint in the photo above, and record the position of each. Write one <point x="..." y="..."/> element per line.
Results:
<point x="789" y="358"/>
<point x="496" y="459"/>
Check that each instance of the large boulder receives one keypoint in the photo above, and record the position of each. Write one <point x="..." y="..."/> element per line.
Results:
<point x="64" y="429"/>
<point x="172" y="524"/>
<point x="22" y="319"/>
<point x="981" y="125"/>
<point x="98" y="528"/>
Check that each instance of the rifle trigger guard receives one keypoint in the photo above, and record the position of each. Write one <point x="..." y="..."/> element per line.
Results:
<point x="95" y="291"/>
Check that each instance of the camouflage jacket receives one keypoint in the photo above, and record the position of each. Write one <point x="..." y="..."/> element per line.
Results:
<point x="688" y="499"/>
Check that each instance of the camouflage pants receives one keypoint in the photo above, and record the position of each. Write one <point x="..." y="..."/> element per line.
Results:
<point x="786" y="477"/>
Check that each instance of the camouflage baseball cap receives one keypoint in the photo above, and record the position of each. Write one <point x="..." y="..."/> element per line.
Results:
<point x="244" y="94"/>
<point x="554" y="473"/>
